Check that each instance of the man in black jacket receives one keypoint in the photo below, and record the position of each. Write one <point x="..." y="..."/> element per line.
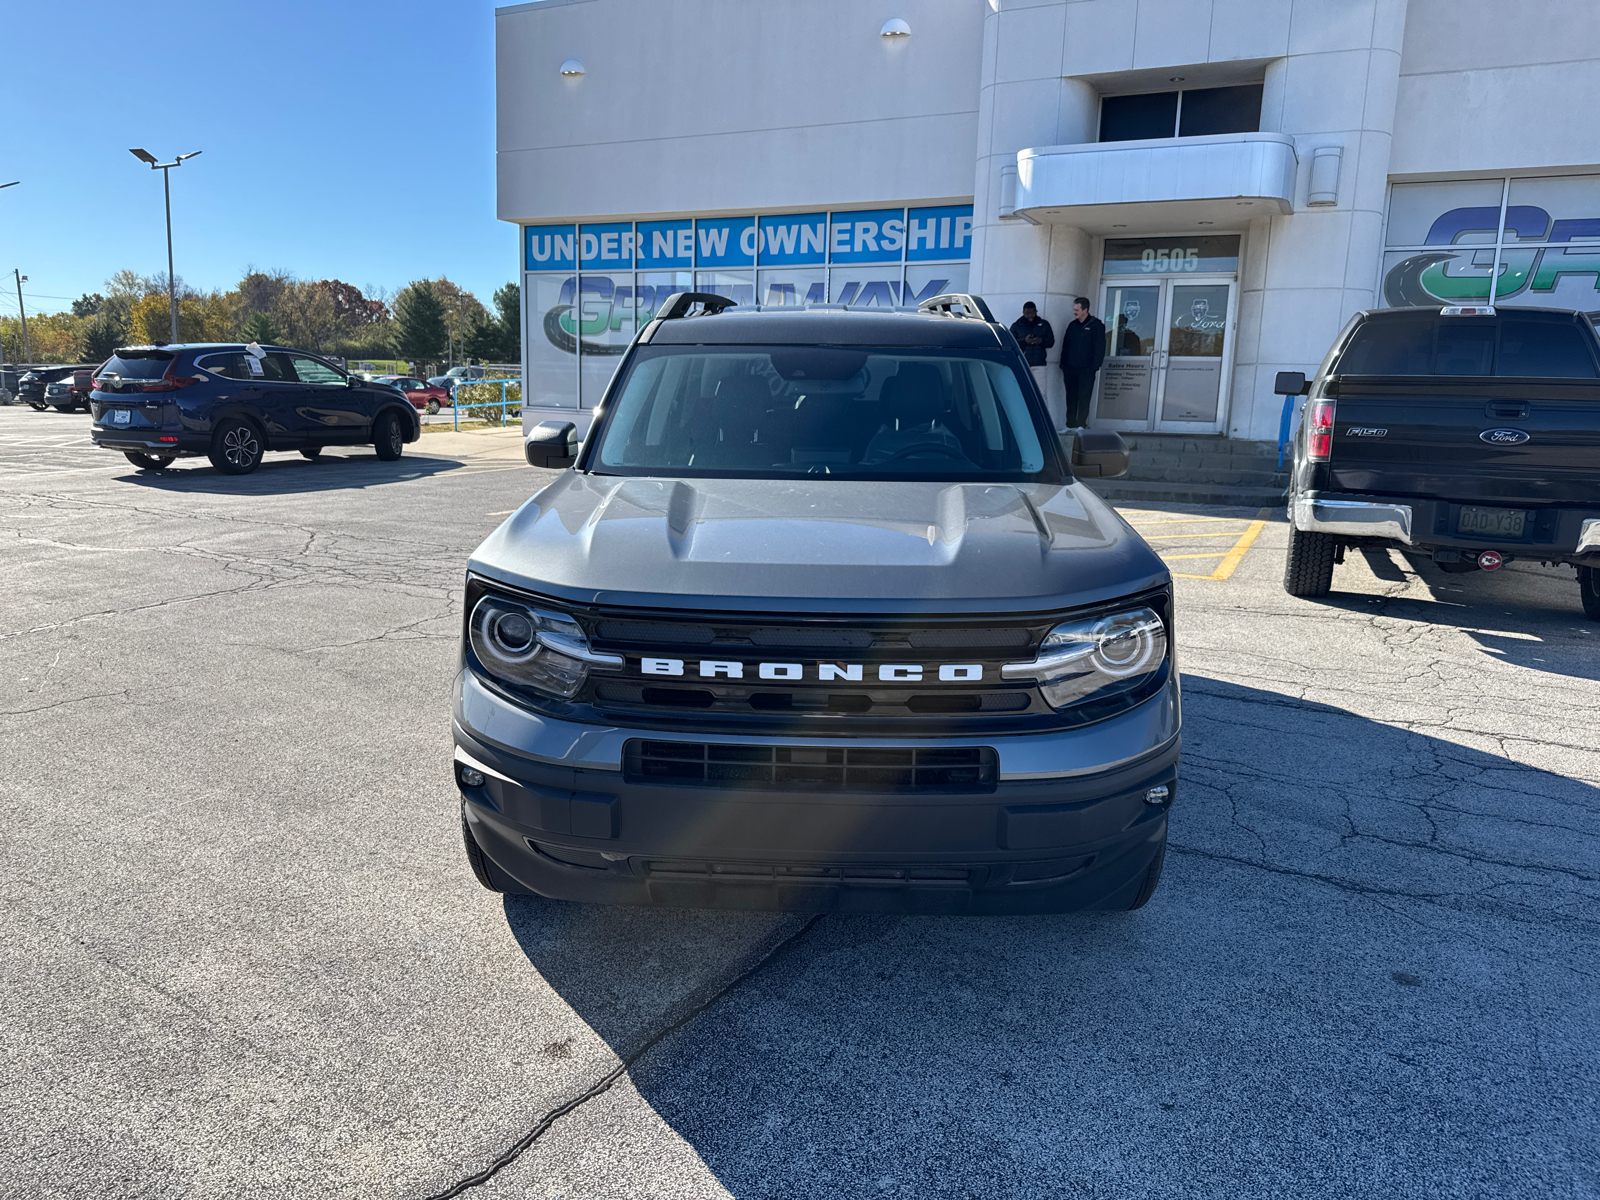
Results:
<point x="1034" y="335"/>
<point x="1083" y="349"/>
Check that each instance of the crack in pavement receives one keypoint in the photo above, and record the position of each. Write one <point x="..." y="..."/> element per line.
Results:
<point x="607" y="1081"/>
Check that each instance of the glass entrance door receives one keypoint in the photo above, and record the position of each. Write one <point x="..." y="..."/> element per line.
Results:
<point x="1168" y="347"/>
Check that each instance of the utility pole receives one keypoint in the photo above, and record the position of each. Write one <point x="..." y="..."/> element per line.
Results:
<point x="3" y="391"/>
<point x="145" y="156"/>
<point x="27" y="350"/>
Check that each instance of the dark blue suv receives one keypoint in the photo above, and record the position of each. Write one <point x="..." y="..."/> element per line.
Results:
<point x="233" y="403"/>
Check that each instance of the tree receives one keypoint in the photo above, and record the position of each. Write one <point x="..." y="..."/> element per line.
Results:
<point x="258" y="328"/>
<point x="419" y="317"/>
<point x="508" y="304"/>
<point x="88" y="305"/>
<point x="103" y="334"/>
<point x="353" y="310"/>
<point x="499" y="338"/>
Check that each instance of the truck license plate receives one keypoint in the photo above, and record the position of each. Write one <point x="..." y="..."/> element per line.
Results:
<point x="1491" y="522"/>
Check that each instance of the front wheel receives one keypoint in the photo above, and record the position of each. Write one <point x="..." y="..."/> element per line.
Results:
<point x="387" y="437"/>
<point x="433" y="407"/>
<point x="148" y="462"/>
<point x="1308" y="567"/>
<point x="1589" y="589"/>
<point x="236" y="448"/>
<point x="1152" y="876"/>
<point x="483" y="868"/>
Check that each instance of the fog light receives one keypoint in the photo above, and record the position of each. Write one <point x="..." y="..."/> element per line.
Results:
<point x="1157" y="795"/>
<point x="471" y="778"/>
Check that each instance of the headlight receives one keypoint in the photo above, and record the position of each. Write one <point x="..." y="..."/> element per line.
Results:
<point x="1096" y="659"/>
<point x="533" y="648"/>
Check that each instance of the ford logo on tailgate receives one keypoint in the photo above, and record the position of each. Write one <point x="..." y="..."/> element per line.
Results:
<point x="1503" y="437"/>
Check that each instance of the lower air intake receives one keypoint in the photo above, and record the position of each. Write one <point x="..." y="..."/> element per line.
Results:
<point x="811" y="768"/>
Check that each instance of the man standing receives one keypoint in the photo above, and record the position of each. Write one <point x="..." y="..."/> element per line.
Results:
<point x="1083" y="349"/>
<point x="1034" y="335"/>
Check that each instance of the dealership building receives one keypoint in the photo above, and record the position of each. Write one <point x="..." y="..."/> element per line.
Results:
<point x="1227" y="180"/>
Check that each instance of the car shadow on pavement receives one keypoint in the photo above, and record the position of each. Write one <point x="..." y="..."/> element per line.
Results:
<point x="284" y="476"/>
<point x="1532" y="617"/>
<point x="1369" y="964"/>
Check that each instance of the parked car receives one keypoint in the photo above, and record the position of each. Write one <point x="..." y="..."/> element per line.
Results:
<point x="72" y="392"/>
<point x="158" y="403"/>
<point x="820" y="618"/>
<point x="467" y="373"/>
<point x="423" y="395"/>
<point x="33" y="388"/>
<point x="1465" y="433"/>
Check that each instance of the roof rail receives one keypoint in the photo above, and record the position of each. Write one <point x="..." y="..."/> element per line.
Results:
<point x="970" y="306"/>
<point x="679" y="303"/>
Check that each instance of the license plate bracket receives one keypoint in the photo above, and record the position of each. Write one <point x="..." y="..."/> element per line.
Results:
<point x="1476" y="521"/>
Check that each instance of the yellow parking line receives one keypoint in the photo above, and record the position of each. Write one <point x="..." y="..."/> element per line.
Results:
<point x="1236" y="555"/>
<point x="1232" y="557"/>
<point x="1170" y="537"/>
<point x="1183" y="521"/>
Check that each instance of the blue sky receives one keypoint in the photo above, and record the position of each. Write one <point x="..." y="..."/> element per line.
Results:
<point x="346" y="139"/>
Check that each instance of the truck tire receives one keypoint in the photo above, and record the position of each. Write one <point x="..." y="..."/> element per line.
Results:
<point x="483" y="867"/>
<point x="1308" y="566"/>
<point x="1589" y="589"/>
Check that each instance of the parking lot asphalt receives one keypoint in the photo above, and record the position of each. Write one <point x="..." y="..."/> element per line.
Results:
<point x="242" y="953"/>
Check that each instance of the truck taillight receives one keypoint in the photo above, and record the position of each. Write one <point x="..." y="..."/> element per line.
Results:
<point x="1319" y="433"/>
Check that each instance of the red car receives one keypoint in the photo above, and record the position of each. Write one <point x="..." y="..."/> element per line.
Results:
<point x="421" y="393"/>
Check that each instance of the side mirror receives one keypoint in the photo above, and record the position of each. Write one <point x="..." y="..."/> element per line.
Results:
<point x="552" y="444"/>
<point x="1291" y="383"/>
<point x="1097" y="453"/>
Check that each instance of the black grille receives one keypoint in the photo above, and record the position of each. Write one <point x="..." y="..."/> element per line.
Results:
<point x="811" y="768"/>
<point x="820" y="636"/>
<point x="812" y="700"/>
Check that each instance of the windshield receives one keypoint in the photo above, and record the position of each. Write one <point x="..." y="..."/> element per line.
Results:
<point x="770" y="412"/>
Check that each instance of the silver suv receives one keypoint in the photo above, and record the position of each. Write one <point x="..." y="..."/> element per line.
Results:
<point x="819" y="618"/>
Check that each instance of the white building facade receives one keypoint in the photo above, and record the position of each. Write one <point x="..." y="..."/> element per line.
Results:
<point x="1226" y="180"/>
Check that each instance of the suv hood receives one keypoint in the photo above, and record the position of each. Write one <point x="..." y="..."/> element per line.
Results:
<point x="827" y="546"/>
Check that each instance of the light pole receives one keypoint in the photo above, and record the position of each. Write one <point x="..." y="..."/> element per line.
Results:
<point x="13" y="183"/>
<point x="166" y="185"/>
<point x="27" y="350"/>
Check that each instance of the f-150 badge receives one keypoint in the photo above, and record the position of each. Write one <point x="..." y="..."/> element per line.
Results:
<point x="1365" y="431"/>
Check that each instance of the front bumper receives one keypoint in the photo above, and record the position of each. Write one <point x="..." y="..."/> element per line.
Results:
<point x="1563" y="534"/>
<point x="1078" y="835"/>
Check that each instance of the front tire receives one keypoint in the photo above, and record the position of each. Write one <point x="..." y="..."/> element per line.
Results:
<point x="388" y="439"/>
<point x="148" y="462"/>
<point x="1152" y="876"/>
<point x="236" y="448"/>
<point x="37" y="405"/>
<point x="483" y="867"/>
<point x="433" y="408"/>
<point x="1589" y="589"/>
<point x="1308" y="567"/>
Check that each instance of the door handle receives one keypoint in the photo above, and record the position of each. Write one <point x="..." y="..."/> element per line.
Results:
<point x="1507" y="410"/>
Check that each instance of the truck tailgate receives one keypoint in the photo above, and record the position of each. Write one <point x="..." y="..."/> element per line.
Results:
<point x="1399" y="436"/>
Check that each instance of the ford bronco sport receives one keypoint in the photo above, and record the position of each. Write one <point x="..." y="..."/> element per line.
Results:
<point x="819" y="619"/>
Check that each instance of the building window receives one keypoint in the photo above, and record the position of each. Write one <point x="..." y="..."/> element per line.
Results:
<point x="1190" y="112"/>
<point x="1500" y="240"/>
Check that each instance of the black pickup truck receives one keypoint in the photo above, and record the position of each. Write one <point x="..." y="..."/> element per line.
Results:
<point x="1464" y="433"/>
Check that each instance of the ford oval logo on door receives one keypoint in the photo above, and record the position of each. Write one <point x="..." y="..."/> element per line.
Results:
<point x="1504" y="437"/>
